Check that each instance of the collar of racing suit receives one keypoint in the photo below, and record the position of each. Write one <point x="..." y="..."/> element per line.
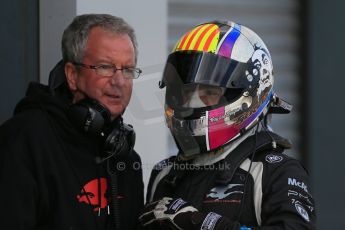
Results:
<point x="263" y="141"/>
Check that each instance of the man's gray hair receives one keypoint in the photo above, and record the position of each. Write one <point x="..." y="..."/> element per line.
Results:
<point x="75" y="36"/>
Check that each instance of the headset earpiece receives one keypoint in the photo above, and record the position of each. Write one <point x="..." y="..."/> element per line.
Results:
<point x="120" y="141"/>
<point x="94" y="119"/>
<point x="89" y="116"/>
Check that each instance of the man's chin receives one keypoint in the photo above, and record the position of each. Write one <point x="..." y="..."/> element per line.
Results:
<point x="115" y="114"/>
<point x="115" y="109"/>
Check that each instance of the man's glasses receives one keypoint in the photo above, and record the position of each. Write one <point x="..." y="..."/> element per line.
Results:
<point x="110" y="70"/>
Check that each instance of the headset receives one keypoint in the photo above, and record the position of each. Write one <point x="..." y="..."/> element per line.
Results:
<point x="93" y="119"/>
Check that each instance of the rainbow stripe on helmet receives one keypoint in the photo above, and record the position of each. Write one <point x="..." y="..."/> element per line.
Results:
<point x="228" y="41"/>
<point x="207" y="38"/>
<point x="202" y="38"/>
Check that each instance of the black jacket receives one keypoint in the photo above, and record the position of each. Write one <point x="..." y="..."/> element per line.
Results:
<point x="267" y="190"/>
<point x="49" y="178"/>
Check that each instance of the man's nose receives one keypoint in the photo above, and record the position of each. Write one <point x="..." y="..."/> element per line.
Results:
<point x="118" y="78"/>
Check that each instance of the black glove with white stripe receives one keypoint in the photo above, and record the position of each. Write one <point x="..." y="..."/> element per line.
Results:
<point x="178" y="214"/>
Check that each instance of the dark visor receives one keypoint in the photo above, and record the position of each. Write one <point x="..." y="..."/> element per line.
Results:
<point x="206" y="68"/>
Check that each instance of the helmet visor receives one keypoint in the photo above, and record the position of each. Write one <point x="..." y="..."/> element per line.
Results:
<point x="193" y="96"/>
<point x="206" y="68"/>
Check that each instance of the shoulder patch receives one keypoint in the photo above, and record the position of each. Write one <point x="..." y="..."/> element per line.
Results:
<point x="272" y="158"/>
<point x="300" y="209"/>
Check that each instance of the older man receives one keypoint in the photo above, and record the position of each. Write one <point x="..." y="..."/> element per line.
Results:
<point x="67" y="158"/>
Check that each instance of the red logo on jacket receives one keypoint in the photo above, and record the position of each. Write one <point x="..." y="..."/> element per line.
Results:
<point x="93" y="193"/>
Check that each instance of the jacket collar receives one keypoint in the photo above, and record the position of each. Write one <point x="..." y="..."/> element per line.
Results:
<point x="262" y="140"/>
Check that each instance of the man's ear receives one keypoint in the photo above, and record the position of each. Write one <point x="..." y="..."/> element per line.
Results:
<point x="71" y="76"/>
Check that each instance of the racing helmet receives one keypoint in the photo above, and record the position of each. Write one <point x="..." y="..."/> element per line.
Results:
<point x="218" y="80"/>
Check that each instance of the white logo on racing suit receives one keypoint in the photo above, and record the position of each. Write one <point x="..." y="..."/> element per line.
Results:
<point x="299" y="195"/>
<point x="302" y="211"/>
<point x="273" y="158"/>
<point x="221" y="192"/>
<point x="294" y="182"/>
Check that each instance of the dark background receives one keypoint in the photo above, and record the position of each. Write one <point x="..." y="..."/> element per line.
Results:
<point x="325" y="137"/>
<point x="323" y="36"/>
<point x="19" y="49"/>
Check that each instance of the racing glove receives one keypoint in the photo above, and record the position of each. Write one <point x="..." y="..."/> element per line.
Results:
<point x="179" y="214"/>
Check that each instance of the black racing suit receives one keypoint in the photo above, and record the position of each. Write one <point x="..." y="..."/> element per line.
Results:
<point x="265" y="190"/>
